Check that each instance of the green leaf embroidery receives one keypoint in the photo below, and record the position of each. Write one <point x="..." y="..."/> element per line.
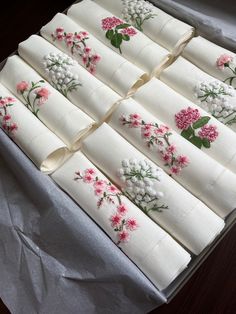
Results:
<point x="201" y="122"/>
<point x="122" y="26"/>
<point x="126" y="37"/>
<point x="187" y="133"/>
<point x="109" y="34"/>
<point x="197" y="141"/>
<point x="206" y="143"/>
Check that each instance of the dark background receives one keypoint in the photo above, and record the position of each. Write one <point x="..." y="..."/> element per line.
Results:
<point x="212" y="290"/>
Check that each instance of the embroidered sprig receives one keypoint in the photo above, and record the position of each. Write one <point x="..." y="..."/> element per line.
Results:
<point x="190" y="121"/>
<point x="58" y="66"/>
<point x="227" y="61"/>
<point x="138" y="178"/>
<point x="158" y="136"/>
<point x="76" y="42"/>
<point x="33" y="94"/>
<point x="117" y="31"/>
<point x="7" y="124"/>
<point x="106" y="192"/>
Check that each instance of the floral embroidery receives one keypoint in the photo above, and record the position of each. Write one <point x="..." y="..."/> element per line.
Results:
<point x="33" y="94"/>
<point x="227" y="61"/>
<point x="159" y="136"/>
<point x="117" y="31"/>
<point x="215" y="98"/>
<point x="138" y="178"/>
<point x="189" y="121"/>
<point x="77" y="44"/>
<point x="58" y="66"/>
<point x="6" y="120"/>
<point x="120" y="222"/>
<point x="136" y="12"/>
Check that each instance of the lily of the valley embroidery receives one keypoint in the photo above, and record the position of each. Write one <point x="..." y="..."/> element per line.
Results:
<point x="117" y="31"/>
<point x="158" y="136"/>
<point x="227" y="62"/>
<point x="58" y="67"/>
<point x="108" y="193"/>
<point x="77" y="44"/>
<point x="136" y="12"/>
<point x="196" y="128"/>
<point x="33" y="94"/>
<point x="138" y="178"/>
<point x="6" y="120"/>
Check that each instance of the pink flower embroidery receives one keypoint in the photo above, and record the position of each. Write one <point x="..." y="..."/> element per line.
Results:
<point x="90" y="171"/>
<point x="131" y="224"/>
<point x="186" y="117"/>
<point x="115" y="220"/>
<point x="43" y="94"/>
<point x="111" y="22"/>
<point x="129" y="31"/>
<point x="208" y="132"/>
<point x="22" y="86"/>
<point x="123" y="236"/>
<point x="88" y="178"/>
<point x="223" y="61"/>
<point x="5" y="118"/>
<point x="122" y="209"/>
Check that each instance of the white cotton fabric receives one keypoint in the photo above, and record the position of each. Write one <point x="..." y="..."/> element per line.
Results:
<point x="140" y="49"/>
<point x="93" y="97"/>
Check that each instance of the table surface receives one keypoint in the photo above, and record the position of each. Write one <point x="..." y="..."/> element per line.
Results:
<point x="212" y="289"/>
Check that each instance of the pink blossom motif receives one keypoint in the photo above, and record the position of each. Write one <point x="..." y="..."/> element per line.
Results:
<point x="186" y="117"/>
<point x="158" y="136"/>
<point x="208" y="132"/>
<point x="111" y="22"/>
<point x="77" y="42"/>
<point x="43" y="94"/>
<point x="6" y="122"/>
<point x="175" y="170"/>
<point x="223" y="61"/>
<point x="129" y="31"/>
<point x="22" y="86"/>
<point x="111" y="195"/>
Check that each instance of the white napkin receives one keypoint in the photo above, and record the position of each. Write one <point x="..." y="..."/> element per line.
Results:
<point x="147" y="245"/>
<point x="161" y="27"/>
<point x="137" y="47"/>
<point x="186" y="218"/>
<point x="215" y="60"/>
<point x="93" y="97"/>
<point x="43" y="147"/>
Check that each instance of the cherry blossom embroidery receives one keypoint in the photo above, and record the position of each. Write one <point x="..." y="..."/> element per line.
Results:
<point x="7" y="124"/>
<point x="156" y="135"/>
<point x="215" y="98"/>
<point x="136" y="12"/>
<point x="117" y="31"/>
<point x="227" y="61"/>
<point x="138" y="178"/>
<point x="106" y="192"/>
<point x="58" y="66"/>
<point x="77" y="44"/>
<point x="33" y="94"/>
<point x="190" y="121"/>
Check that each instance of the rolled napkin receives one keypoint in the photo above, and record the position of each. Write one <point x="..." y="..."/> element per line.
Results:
<point x="214" y="96"/>
<point x="43" y="147"/>
<point x="97" y="58"/>
<point x="189" y="120"/>
<point x="68" y="77"/>
<point x="68" y="122"/>
<point x="185" y="217"/>
<point x="120" y="36"/>
<point x="213" y="59"/>
<point x="161" y="27"/>
<point x="147" y="245"/>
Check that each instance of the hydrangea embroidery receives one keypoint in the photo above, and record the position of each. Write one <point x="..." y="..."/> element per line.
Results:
<point x="195" y="128"/>
<point x="121" y="223"/>
<point x="7" y="124"/>
<point x="58" y="67"/>
<point x="136" y="12"/>
<point x="156" y="135"/>
<point x="117" y="31"/>
<point x="215" y="98"/>
<point x="77" y="44"/>
<point x="138" y="178"/>
<point x="227" y="61"/>
<point x="33" y="94"/>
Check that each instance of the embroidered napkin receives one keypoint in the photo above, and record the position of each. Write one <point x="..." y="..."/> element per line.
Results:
<point x="91" y="95"/>
<point x="97" y="58"/>
<point x="152" y="190"/>
<point x="147" y="245"/>
<point x="43" y="147"/>
<point x="189" y="120"/>
<point x="161" y="27"/>
<point x="120" y="36"/>
<point x="215" y="60"/>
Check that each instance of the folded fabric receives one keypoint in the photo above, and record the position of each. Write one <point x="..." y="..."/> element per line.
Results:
<point x="120" y="36"/>
<point x="43" y="147"/>
<point x="147" y="245"/>
<point x="214" y="96"/>
<point x="97" y="58"/>
<point x="189" y="120"/>
<point x="175" y="209"/>
<point x="161" y="27"/>
<point x="64" y="119"/>
<point x="215" y="60"/>
<point x="68" y="77"/>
